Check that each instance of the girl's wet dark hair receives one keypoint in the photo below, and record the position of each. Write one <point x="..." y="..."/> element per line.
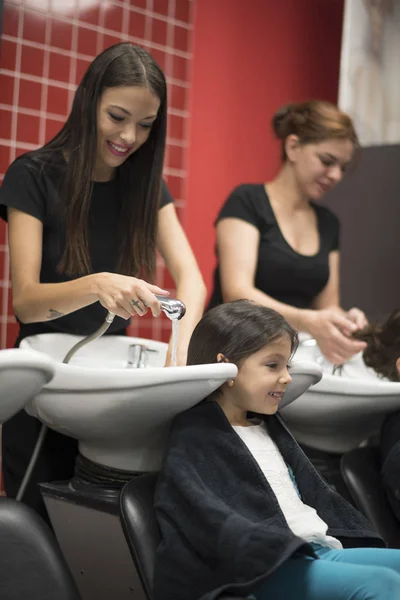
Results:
<point x="383" y="346"/>
<point x="313" y="121"/>
<point x="139" y="176"/>
<point x="237" y="330"/>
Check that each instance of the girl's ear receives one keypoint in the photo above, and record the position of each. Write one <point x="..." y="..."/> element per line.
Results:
<point x="398" y="364"/>
<point x="221" y="358"/>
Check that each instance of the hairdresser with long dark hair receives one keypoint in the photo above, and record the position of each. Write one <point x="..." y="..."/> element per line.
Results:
<point x="86" y="214"/>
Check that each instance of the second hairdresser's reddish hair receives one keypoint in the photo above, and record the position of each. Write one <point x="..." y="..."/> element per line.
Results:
<point x="312" y="122"/>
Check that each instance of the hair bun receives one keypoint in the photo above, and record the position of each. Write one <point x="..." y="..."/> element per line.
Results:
<point x="312" y="121"/>
<point x="281" y="119"/>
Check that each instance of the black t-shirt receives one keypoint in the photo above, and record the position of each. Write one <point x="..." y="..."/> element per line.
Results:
<point x="33" y="186"/>
<point x="281" y="272"/>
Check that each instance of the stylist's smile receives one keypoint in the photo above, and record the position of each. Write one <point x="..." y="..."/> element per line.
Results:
<point x="119" y="150"/>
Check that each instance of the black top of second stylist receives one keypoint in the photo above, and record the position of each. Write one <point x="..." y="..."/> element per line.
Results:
<point x="281" y="272"/>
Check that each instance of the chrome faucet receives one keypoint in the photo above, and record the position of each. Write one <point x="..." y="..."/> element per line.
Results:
<point x="138" y="356"/>
<point x="173" y="308"/>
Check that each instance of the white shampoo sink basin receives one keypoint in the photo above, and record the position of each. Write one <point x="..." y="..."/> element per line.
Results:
<point x="341" y="412"/>
<point x="304" y="375"/>
<point x="121" y="415"/>
<point x="107" y="352"/>
<point x="22" y="375"/>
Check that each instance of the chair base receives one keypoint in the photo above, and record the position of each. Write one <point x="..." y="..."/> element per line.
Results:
<point x="91" y="538"/>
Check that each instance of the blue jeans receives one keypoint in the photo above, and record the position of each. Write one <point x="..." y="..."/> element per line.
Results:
<point x="350" y="574"/>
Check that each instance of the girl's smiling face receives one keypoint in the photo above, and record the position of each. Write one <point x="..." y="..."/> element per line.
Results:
<point x="260" y="384"/>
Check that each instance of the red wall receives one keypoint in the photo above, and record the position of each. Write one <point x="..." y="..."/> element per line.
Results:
<point x="249" y="58"/>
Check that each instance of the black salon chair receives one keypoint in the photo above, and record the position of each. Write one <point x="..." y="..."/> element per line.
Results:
<point x="140" y="528"/>
<point x="31" y="563"/>
<point x="360" y="469"/>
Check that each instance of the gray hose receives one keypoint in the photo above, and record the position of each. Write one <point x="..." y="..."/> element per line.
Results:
<point x="90" y="338"/>
<point x="32" y="462"/>
<point x="43" y="430"/>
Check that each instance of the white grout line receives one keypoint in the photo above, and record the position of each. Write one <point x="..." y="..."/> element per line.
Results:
<point x="14" y="126"/>
<point x="7" y="320"/>
<point x="177" y="112"/>
<point x="100" y="29"/>
<point x="125" y="21"/>
<point x="134" y="39"/>
<point x="45" y="87"/>
<point x="156" y="325"/>
<point x="147" y="41"/>
<point x="73" y="57"/>
<point x="27" y="146"/>
<point x="72" y="64"/>
<point x="70" y="87"/>
<point x="14" y="116"/>
<point x="32" y="112"/>
<point x="175" y="172"/>
<point x="186" y="124"/>
<point x="148" y="23"/>
<point x="36" y="79"/>
<point x="170" y="42"/>
<point x="13" y="144"/>
<point x="144" y="11"/>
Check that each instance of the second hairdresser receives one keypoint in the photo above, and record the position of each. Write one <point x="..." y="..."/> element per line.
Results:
<point x="278" y="246"/>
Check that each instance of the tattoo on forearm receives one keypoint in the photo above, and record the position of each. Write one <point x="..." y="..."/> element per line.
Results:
<point x="54" y="314"/>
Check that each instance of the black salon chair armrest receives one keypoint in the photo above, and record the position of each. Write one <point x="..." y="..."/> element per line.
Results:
<point x="360" y="469"/>
<point x="31" y="562"/>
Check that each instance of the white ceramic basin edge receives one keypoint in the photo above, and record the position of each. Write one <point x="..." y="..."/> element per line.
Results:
<point x="23" y="373"/>
<point x="81" y="379"/>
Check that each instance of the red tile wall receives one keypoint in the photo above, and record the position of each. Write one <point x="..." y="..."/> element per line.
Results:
<point x="45" y="48"/>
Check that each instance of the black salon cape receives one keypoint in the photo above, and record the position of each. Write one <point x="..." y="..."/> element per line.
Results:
<point x="221" y="525"/>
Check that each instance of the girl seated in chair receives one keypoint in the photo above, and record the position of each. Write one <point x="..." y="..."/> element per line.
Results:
<point x="241" y="509"/>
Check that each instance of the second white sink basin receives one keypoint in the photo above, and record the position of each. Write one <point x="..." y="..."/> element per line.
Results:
<point x="340" y="412"/>
<point x="22" y="374"/>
